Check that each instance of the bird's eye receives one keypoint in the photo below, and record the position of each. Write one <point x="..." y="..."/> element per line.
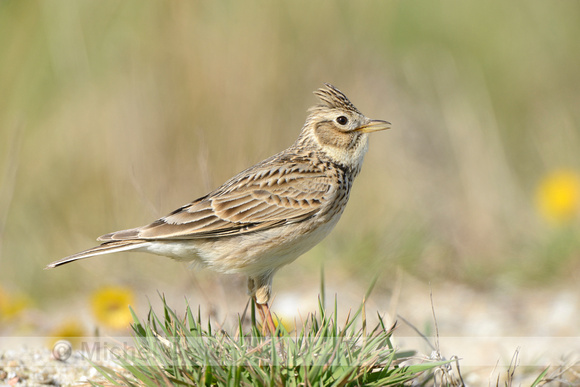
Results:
<point x="342" y="120"/>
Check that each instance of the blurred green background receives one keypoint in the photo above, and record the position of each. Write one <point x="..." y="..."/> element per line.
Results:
<point x="114" y="113"/>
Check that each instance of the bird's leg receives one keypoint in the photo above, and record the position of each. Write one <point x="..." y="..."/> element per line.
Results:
<point x="260" y="310"/>
<point x="259" y="289"/>
<point x="267" y="320"/>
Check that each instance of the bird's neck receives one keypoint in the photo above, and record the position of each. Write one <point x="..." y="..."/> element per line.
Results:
<point x="349" y="160"/>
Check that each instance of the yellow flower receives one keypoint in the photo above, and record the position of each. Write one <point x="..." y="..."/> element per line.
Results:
<point x="11" y="306"/>
<point x="558" y="196"/>
<point x="71" y="330"/>
<point x="288" y="324"/>
<point x="111" y="307"/>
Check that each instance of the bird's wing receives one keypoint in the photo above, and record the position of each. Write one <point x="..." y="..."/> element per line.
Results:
<point x="259" y="198"/>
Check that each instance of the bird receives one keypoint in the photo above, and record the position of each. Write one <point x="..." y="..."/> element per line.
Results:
<point x="268" y="215"/>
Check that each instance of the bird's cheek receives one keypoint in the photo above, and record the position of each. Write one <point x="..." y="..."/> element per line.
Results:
<point x="327" y="135"/>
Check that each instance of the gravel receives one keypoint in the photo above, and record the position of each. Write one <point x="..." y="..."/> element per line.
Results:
<point x="38" y="367"/>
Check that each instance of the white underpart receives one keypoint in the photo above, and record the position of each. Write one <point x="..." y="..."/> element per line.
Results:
<point x="255" y="253"/>
<point x="353" y="158"/>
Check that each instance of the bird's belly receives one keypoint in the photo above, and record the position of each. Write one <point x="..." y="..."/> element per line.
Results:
<point x="257" y="253"/>
<point x="251" y="254"/>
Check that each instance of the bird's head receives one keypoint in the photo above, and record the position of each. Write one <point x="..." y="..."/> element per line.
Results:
<point x="338" y="129"/>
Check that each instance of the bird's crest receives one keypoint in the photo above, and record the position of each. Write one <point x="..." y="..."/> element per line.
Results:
<point x="333" y="98"/>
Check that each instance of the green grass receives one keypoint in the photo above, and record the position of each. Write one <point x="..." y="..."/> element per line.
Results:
<point x="170" y="349"/>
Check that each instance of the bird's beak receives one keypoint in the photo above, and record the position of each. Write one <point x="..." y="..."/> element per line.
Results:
<point x="374" y="126"/>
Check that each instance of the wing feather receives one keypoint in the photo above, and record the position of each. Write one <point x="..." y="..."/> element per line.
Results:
<point x="268" y="195"/>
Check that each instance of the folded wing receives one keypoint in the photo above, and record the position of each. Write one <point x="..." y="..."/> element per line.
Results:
<point x="256" y="199"/>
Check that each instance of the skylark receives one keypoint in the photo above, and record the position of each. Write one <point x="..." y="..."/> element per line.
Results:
<point x="268" y="215"/>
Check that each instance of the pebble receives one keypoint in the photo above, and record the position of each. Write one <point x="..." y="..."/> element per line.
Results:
<point x="37" y="367"/>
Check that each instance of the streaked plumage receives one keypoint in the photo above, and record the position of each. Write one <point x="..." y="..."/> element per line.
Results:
<point x="269" y="214"/>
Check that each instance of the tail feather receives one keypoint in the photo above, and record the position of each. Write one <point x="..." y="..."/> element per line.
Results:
<point x="105" y="248"/>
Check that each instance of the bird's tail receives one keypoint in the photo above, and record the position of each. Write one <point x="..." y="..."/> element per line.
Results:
<point x="105" y="248"/>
